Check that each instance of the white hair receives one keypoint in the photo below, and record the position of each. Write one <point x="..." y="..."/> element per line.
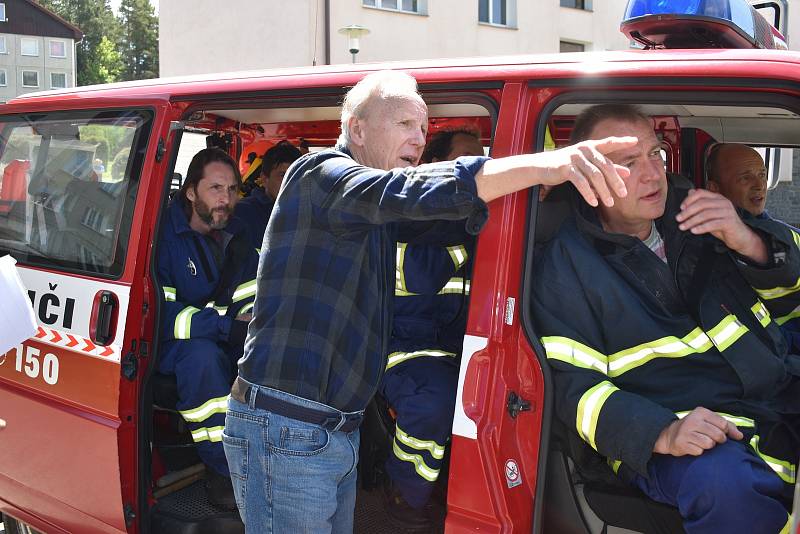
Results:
<point x="381" y="85"/>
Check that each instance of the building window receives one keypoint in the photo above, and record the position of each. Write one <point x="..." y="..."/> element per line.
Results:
<point x="566" y="46"/>
<point x="58" y="49"/>
<point x="3" y="78"/>
<point x="499" y="12"/>
<point x="3" y="12"/>
<point x="406" y="6"/>
<point x="3" y="46"/>
<point x="577" y="4"/>
<point x="58" y="80"/>
<point x="29" y="47"/>
<point x="30" y="78"/>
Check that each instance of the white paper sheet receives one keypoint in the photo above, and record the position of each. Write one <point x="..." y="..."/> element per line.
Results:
<point x="17" y="320"/>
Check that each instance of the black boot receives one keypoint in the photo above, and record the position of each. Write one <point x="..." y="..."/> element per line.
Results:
<point x="220" y="491"/>
<point x="403" y="514"/>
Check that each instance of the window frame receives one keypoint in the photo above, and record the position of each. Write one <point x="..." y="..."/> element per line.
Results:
<point x="585" y="5"/>
<point x="50" y="47"/>
<point x="22" y="41"/>
<point x="511" y="14"/>
<point x="4" y="72"/>
<point x="422" y="7"/>
<point x="64" y="74"/>
<point x="133" y="172"/>
<point x="4" y="40"/>
<point x="562" y="42"/>
<point x="3" y="12"/>
<point x="22" y="79"/>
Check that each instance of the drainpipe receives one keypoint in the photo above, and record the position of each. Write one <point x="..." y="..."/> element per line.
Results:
<point x="327" y="32"/>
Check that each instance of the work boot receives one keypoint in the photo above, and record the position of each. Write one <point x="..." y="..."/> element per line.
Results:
<point x="220" y="491"/>
<point x="405" y="516"/>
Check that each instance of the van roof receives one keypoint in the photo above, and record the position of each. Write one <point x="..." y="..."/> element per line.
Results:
<point x="618" y="63"/>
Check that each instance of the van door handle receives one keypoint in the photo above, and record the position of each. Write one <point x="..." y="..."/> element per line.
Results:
<point x="103" y="325"/>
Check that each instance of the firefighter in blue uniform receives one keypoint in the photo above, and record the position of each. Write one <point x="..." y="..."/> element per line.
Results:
<point x="430" y="314"/>
<point x="207" y="269"/>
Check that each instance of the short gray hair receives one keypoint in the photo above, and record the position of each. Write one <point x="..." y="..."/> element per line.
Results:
<point x="381" y="85"/>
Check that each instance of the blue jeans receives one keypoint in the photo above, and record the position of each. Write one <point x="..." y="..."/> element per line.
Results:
<point x="288" y="475"/>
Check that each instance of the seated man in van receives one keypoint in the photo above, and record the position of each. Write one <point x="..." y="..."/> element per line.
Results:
<point x="255" y="209"/>
<point x="207" y="268"/>
<point x="738" y="173"/>
<point x="430" y="316"/>
<point x="655" y="317"/>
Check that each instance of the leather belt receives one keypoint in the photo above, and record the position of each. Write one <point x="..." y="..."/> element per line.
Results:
<point x="329" y="420"/>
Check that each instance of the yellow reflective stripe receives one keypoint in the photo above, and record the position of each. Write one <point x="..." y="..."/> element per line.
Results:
<point x="419" y="464"/>
<point x="761" y="312"/>
<point x="455" y="285"/>
<point x="589" y="407"/>
<point x="246" y="290"/>
<point x="787" y="528"/>
<point x="246" y="308"/>
<point x="727" y="332"/>
<point x="399" y="357"/>
<point x="458" y="254"/>
<point x="206" y="410"/>
<point x="666" y="347"/>
<point x="737" y="420"/>
<point x="170" y="294"/>
<point x="614" y="464"/>
<point x="183" y="322"/>
<point x="787" y="471"/>
<point x="436" y="450"/>
<point x="786" y="318"/>
<point x="213" y="434"/>
<point x="222" y="310"/>
<point x="400" y="288"/>
<point x="574" y="353"/>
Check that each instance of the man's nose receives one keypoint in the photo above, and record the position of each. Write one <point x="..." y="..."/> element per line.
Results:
<point x="419" y="139"/>
<point x="654" y="171"/>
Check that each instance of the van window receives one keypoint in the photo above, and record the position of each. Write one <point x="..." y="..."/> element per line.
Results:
<point x="67" y="186"/>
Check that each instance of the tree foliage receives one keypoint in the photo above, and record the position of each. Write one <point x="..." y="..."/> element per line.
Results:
<point x="114" y="48"/>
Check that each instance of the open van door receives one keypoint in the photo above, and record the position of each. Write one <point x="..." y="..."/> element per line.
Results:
<point x="78" y="226"/>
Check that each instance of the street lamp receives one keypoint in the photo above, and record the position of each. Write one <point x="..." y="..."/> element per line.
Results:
<point x="354" y="32"/>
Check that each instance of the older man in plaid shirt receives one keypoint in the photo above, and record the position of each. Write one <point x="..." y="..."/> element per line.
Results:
<point x="316" y="346"/>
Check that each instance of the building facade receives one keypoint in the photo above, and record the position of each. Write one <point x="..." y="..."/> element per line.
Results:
<point x="201" y="36"/>
<point x="37" y="49"/>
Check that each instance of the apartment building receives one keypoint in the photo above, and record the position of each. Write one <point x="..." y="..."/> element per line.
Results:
<point x="37" y="49"/>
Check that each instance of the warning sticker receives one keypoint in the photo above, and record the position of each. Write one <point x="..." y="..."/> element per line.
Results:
<point x="513" y="476"/>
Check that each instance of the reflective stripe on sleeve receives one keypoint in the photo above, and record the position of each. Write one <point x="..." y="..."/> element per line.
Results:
<point x="667" y="347"/>
<point x="400" y="288"/>
<point x="420" y="467"/>
<point x="212" y="434"/>
<point x="247" y="308"/>
<point x="436" y="450"/>
<point x="169" y="294"/>
<point x="735" y="419"/>
<point x="589" y="407"/>
<point x="243" y="291"/>
<point x="788" y="317"/>
<point x="787" y="471"/>
<point x="574" y="353"/>
<point x="399" y="357"/>
<point x="455" y="285"/>
<point x="206" y="410"/>
<point x="183" y="322"/>
<point x="221" y="310"/>
<point x="458" y="254"/>
<point x="761" y="312"/>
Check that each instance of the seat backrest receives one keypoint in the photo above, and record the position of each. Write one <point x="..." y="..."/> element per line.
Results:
<point x="13" y="188"/>
<point x="552" y="212"/>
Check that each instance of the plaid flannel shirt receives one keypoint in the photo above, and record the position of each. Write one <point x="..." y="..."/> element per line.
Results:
<point x="326" y="273"/>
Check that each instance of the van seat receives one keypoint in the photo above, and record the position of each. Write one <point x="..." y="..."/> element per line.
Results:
<point x="13" y="188"/>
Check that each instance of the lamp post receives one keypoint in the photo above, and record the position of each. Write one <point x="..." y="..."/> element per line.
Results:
<point x="354" y="32"/>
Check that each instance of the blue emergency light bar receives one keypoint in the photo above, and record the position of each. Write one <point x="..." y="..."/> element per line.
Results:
<point x="698" y="24"/>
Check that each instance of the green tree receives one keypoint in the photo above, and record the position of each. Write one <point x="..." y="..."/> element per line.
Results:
<point x="139" y="41"/>
<point x="97" y="58"/>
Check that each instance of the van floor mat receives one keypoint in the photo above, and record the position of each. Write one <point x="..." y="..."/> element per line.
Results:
<point x="187" y="511"/>
<point x="371" y="518"/>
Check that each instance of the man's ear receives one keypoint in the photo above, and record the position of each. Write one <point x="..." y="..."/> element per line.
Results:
<point x="356" y="128"/>
<point x="712" y="186"/>
<point x="191" y="194"/>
